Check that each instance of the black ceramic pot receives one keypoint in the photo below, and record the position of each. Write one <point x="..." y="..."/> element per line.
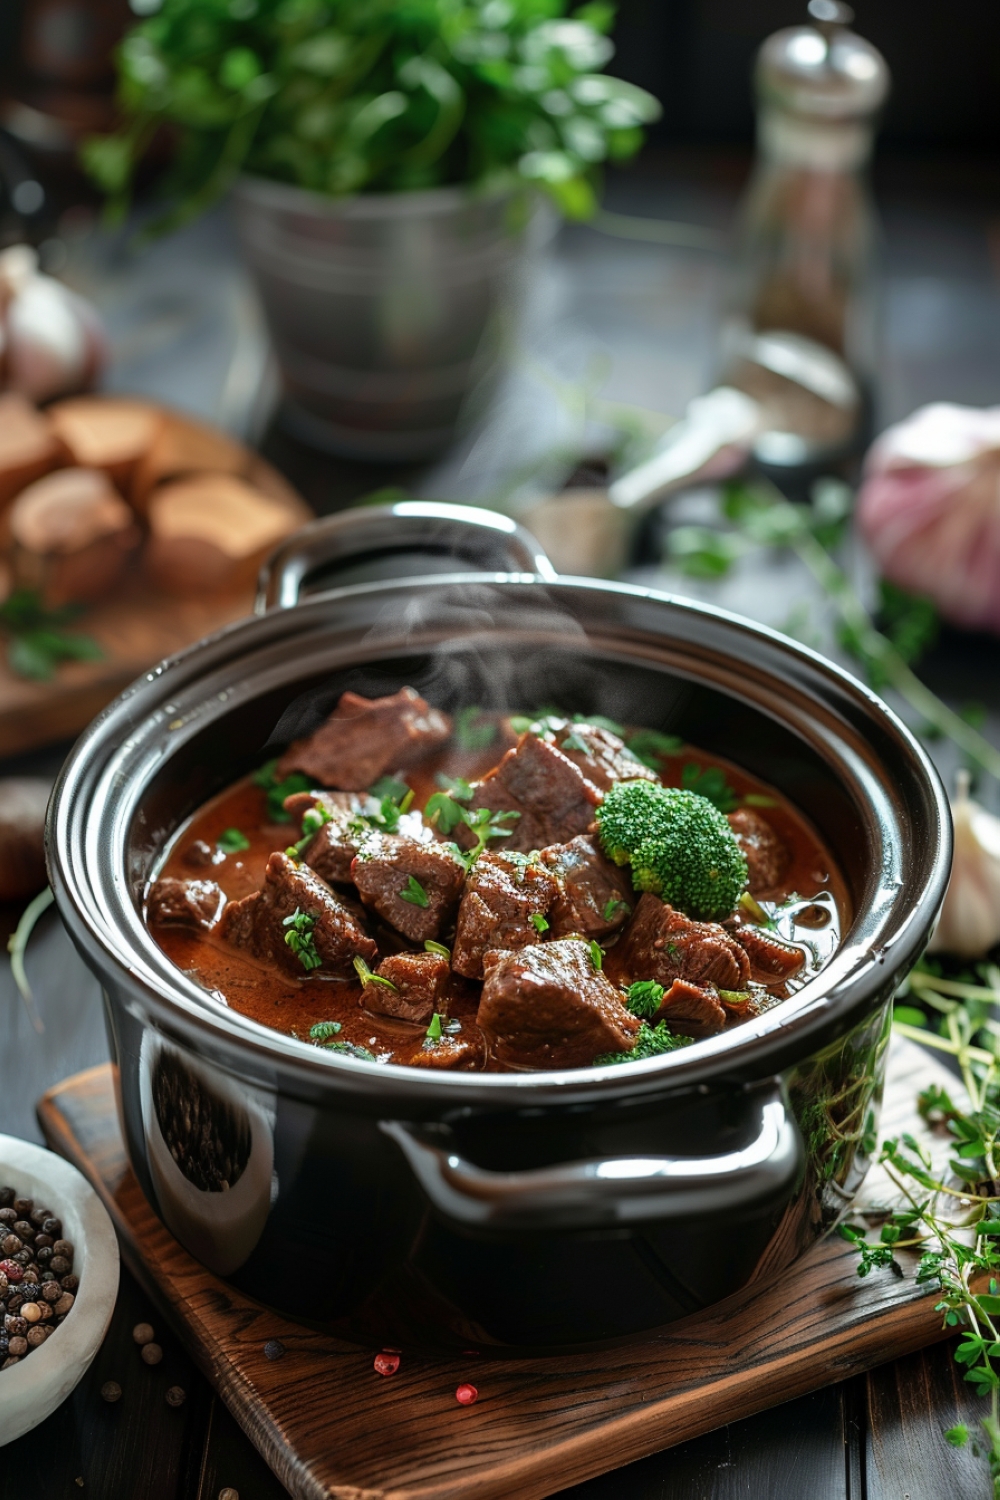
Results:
<point x="539" y="1210"/>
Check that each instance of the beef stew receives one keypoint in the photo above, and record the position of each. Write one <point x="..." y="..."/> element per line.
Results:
<point x="399" y="890"/>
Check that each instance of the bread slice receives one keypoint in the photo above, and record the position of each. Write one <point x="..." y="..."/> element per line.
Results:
<point x="212" y="531"/>
<point x="106" y="432"/>
<point x="29" y="446"/>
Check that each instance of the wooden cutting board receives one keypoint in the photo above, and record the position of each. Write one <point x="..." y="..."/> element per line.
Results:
<point x="328" y="1425"/>
<point x="136" y="628"/>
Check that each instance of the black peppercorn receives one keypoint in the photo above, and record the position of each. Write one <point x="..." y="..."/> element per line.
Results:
<point x="70" y="1283"/>
<point x="176" y="1395"/>
<point x="44" y="1255"/>
<point x="11" y="1244"/>
<point x="53" y="1226"/>
<point x="42" y="1241"/>
<point x="111" y="1391"/>
<point x="64" y="1247"/>
<point x="7" y="1215"/>
<point x="274" y="1349"/>
<point x="38" y="1216"/>
<point x="25" y="1229"/>
<point x="23" y="1206"/>
<point x="58" y="1265"/>
<point x="18" y="1345"/>
<point x="51" y="1291"/>
<point x="6" y="1197"/>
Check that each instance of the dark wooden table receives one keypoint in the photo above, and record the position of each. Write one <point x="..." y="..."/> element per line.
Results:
<point x="877" y="1437"/>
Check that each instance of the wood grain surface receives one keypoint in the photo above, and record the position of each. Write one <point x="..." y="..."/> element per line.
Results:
<point x="135" y="628"/>
<point x="328" y="1425"/>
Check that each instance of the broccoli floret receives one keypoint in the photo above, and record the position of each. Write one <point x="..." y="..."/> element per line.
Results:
<point x="650" y="1041"/>
<point x="678" y="844"/>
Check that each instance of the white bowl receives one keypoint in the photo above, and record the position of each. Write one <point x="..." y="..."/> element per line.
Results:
<point x="34" y="1387"/>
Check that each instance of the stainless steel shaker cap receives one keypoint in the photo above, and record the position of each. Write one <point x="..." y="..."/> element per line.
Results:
<point x="822" y="70"/>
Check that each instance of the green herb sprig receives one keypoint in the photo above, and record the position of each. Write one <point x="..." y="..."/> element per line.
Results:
<point x="371" y="96"/>
<point x="952" y="1218"/>
<point x="232" y="841"/>
<point x="414" y="893"/>
<point x="299" y="938"/>
<point x="277" y="790"/>
<point x="366" y="976"/>
<point x="643" y="998"/>
<point x="313" y="819"/>
<point x="37" y="638"/>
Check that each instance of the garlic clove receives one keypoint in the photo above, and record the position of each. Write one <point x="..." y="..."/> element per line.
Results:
<point x="47" y="343"/>
<point x="969" y="925"/>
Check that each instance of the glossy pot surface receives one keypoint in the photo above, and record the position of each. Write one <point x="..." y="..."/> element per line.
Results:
<point x="388" y="311"/>
<point x="528" y="1210"/>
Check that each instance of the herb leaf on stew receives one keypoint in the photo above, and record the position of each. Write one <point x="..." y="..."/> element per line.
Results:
<point x="414" y="893"/>
<point x="299" y="938"/>
<point x="232" y="841"/>
<point x="643" y="997"/>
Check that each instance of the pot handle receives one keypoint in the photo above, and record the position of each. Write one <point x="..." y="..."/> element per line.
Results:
<point x="478" y="540"/>
<point x="615" y="1192"/>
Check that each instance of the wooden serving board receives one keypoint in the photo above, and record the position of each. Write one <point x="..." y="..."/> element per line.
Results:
<point x="328" y="1425"/>
<point x="135" y="628"/>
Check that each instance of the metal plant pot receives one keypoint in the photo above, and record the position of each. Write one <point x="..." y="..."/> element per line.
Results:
<point x="388" y="311"/>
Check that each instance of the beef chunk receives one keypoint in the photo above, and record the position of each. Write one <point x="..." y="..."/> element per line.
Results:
<point x="771" y="958"/>
<point x="548" y="1007"/>
<point x="366" y="737"/>
<point x="331" y="853"/>
<point x="662" y="944"/>
<point x="553" y="798"/>
<point x="257" y="924"/>
<point x="420" y="981"/>
<point x="768" y="856"/>
<point x="602" y="756"/>
<point x="184" y="903"/>
<point x="595" y="895"/>
<point x="692" y="1009"/>
<point x="391" y="868"/>
<point x="459" y="1052"/>
<point x="502" y="893"/>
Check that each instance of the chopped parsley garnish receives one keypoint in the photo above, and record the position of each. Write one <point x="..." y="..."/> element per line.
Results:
<point x="390" y="810"/>
<point x="472" y="731"/>
<point x="613" y="906"/>
<point x="367" y="977"/>
<point x="391" y="787"/>
<point x="485" y="824"/>
<point x="231" y="841"/>
<point x="574" y="741"/>
<point x="434" y="1029"/>
<point x="596" y="954"/>
<point x="324" y="1030"/>
<point x="460" y="789"/>
<point x="649" y="746"/>
<point x="643" y="998"/>
<point x="312" y="821"/>
<point x="414" y="893"/>
<point x="651" y="1041"/>
<point x="438" y="948"/>
<point x="267" y="779"/>
<point x="538" y="922"/>
<point x="351" y="1049"/>
<point x="299" y="938"/>
<point x="443" y="812"/>
<point x="710" y="782"/>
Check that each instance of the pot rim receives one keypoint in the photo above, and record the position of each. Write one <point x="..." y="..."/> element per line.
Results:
<point x="848" y="987"/>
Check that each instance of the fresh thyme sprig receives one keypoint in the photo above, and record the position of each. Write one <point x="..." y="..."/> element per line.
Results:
<point x="952" y="1217"/>
<point x="760" y="516"/>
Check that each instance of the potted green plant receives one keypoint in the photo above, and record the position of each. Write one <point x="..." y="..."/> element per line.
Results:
<point x="388" y="159"/>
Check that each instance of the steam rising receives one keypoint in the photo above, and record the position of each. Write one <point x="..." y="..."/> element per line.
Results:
<point x="499" y="649"/>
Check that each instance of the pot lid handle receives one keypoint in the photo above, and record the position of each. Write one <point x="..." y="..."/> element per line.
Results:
<point x="467" y="537"/>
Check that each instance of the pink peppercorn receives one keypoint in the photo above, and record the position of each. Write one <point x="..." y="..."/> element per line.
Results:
<point x="466" y="1395"/>
<point x="13" y="1272"/>
<point x="386" y="1364"/>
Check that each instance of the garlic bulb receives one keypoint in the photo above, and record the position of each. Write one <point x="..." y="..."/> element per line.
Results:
<point x="969" y="924"/>
<point x="51" y="340"/>
<point x="929" y="509"/>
